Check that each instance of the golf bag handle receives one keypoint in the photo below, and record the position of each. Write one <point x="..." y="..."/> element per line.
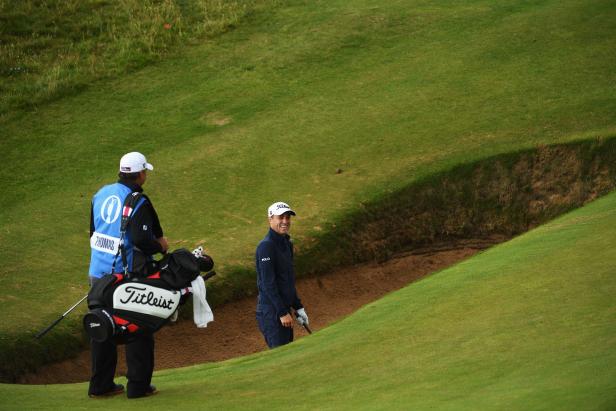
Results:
<point x="209" y="275"/>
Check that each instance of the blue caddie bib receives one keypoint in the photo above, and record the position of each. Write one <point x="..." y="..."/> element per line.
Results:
<point x="107" y="207"/>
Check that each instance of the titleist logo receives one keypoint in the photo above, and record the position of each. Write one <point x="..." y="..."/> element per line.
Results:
<point x="138" y="296"/>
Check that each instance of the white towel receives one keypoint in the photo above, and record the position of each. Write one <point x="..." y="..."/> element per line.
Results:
<point x="202" y="312"/>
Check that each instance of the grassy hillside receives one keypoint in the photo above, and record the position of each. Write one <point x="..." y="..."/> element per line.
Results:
<point x="55" y="48"/>
<point x="388" y="93"/>
<point x="527" y="325"/>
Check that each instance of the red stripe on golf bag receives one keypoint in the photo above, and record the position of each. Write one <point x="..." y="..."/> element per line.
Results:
<point x="125" y="323"/>
<point x="126" y="211"/>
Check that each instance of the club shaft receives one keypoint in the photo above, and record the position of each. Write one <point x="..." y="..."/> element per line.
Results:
<point x="76" y="304"/>
<point x="46" y="330"/>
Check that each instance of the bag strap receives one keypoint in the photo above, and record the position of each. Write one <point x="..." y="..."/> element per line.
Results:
<point x="127" y="212"/>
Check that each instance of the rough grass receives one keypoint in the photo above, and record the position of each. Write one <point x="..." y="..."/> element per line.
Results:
<point x="49" y="49"/>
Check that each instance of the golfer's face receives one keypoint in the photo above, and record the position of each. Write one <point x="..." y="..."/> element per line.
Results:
<point x="281" y="223"/>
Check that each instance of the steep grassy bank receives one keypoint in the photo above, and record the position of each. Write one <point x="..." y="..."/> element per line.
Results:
<point x="527" y="325"/>
<point x="504" y="195"/>
<point x="391" y="94"/>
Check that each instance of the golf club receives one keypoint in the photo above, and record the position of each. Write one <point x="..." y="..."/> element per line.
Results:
<point x="46" y="330"/>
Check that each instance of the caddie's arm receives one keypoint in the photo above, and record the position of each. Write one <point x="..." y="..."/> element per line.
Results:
<point x="158" y="231"/>
<point x="141" y="228"/>
<point x="156" y="228"/>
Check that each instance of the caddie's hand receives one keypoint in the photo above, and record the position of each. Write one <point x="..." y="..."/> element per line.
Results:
<point x="302" y="317"/>
<point x="163" y="243"/>
<point x="286" y="321"/>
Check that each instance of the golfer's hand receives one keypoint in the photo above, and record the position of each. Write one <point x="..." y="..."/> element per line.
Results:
<point x="286" y="321"/>
<point x="163" y="243"/>
<point x="302" y="317"/>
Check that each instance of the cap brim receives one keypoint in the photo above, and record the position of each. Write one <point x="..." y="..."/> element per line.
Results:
<point x="149" y="166"/>
<point x="283" y="211"/>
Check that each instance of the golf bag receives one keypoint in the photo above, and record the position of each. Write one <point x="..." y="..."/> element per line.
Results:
<point x="122" y="307"/>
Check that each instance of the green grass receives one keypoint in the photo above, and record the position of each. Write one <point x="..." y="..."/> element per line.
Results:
<point x="55" y="48"/>
<point x="527" y="325"/>
<point x="389" y="93"/>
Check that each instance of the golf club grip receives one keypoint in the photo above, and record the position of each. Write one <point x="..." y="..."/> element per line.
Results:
<point x="209" y="275"/>
<point x="46" y="330"/>
<point x="304" y="324"/>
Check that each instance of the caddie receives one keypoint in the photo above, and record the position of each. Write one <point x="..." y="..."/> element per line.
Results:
<point x="143" y="238"/>
<point x="276" y="279"/>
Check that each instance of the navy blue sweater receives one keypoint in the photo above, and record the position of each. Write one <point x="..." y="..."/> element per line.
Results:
<point x="275" y="274"/>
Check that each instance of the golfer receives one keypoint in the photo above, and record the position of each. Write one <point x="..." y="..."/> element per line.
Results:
<point x="143" y="238"/>
<point x="276" y="280"/>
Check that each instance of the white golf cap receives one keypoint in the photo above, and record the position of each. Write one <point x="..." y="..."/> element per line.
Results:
<point x="134" y="162"/>
<point x="279" y="208"/>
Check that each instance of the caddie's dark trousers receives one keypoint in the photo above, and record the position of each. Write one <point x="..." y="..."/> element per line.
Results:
<point x="273" y="331"/>
<point x="139" y="362"/>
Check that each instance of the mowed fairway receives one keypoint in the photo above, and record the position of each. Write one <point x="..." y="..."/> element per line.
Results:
<point x="529" y="324"/>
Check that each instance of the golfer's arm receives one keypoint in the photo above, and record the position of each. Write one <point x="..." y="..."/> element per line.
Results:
<point x="297" y="304"/>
